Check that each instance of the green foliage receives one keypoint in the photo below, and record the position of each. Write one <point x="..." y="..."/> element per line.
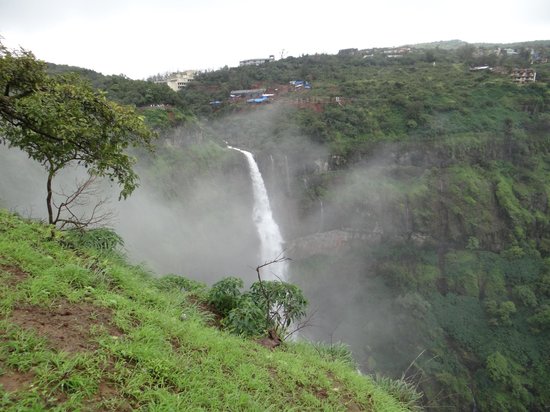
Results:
<point x="246" y="319"/>
<point x="500" y="312"/>
<point x="121" y="89"/>
<point x="282" y="301"/>
<point x="510" y="203"/>
<point x="267" y="305"/>
<point x="182" y="285"/>
<point x="525" y="295"/>
<point x="225" y="295"/>
<point x="541" y="319"/>
<point x="338" y="351"/>
<point x="61" y="120"/>
<point x="414" y="304"/>
<point x="100" y="239"/>
<point x="403" y="390"/>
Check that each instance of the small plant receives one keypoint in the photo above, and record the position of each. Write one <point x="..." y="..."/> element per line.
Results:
<point x="101" y="239"/>
<point x="281" y="302"/>
<point x="402" y="390"/>
<point x="247" y="319"/>
<point x="182" y="284"/>
<point x="266" y="306"/>
<point x="338" y="351"/>
<point x="225" y="295"/>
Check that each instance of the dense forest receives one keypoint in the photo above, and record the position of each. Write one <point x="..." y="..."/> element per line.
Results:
<point x="431" y="163"/>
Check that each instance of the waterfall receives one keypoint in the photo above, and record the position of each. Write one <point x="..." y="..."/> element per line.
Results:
<point x="271" y="240"/>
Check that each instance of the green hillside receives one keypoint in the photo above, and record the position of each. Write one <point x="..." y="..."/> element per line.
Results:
<point x="83" y="330"/>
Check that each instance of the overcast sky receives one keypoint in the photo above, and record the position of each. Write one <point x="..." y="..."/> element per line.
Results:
<point x="140" y="38"/>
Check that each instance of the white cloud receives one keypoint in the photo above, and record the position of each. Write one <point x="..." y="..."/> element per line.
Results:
<point x="141" y="37"/>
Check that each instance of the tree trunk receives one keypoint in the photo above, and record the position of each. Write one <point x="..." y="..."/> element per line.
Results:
<point x="51" y="174"/>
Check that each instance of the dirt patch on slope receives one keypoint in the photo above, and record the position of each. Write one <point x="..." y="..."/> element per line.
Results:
<point x="16" y="274"/>
<point x="14" y="381"/>
<point x="68" y="327"/>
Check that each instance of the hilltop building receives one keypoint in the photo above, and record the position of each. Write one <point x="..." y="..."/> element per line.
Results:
<point x="256" y="62"/>
<point x="177" y="81"/>
<point x="348" y="52"/>
<point x="524" y="75"/>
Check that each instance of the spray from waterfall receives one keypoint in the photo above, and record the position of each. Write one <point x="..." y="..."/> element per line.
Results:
<point x="287" y="175"/>
<point x="271" y="240"/>
<point x="322" y="216"/>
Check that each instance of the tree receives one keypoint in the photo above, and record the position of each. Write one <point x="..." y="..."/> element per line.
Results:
<point x="268" y="307"/>
<point x="61" y="120"/>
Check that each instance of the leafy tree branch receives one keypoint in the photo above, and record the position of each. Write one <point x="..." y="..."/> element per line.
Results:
<point x="62" y="120"/>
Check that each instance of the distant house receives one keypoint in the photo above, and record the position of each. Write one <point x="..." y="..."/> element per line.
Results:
<point x="348" y="52"/>
<point x="256" y="62"/>
<point x="524" y="75"/>
<point x="300" y="84"/>
<point x="397" y="52"/>
<point x="177" y="81"/>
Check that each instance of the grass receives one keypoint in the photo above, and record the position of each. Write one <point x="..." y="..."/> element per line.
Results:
<point x="84" y="330"/>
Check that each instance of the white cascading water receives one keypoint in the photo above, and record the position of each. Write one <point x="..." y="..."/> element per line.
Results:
<point x="271" y="240"/>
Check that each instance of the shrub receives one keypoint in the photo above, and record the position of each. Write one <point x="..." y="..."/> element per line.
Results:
<point x="180" y="283"/>
<point x="282" y="303"/>
<point x="247" y="319"/>
<point x="541" y="320"/>
<point x="500" y="312"/>
<point x="268" y="305"/>
<point x="335" y="352"/>
<point x="525" y="294"/>
<point x="100" y="239"/>
<point x="402" y="390"/>
<point x="225" y="295"/>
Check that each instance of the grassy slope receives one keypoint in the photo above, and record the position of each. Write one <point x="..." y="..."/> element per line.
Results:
<point x="79" y="330"/>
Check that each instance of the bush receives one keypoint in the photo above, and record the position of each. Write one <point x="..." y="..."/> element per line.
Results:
<point x="284" y="302"/>
<point x="225" y="295"/>
<point x="402" y="390"/>
<point x="180" y="283"/>
<point x="247" y="319"/>
<point x="525" y="294"/>
<point x="100" y="239"/>
<point x="500" y="312"/>
<point x="268" y="305"/>
<point x="335" y="352"/>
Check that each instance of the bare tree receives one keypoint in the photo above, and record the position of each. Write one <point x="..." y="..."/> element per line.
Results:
<point x="283" y="303"/>
<point x="83" y="207"/>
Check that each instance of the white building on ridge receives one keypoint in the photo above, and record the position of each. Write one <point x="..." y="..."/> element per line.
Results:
<point x="179" y="80"/>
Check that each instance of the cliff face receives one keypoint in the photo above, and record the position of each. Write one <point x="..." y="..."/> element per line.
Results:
<point x="330" y="243"/>
<point x="450" y="246"/>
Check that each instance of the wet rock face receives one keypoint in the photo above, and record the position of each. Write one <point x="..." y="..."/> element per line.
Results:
<point x="329" y="243"/>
